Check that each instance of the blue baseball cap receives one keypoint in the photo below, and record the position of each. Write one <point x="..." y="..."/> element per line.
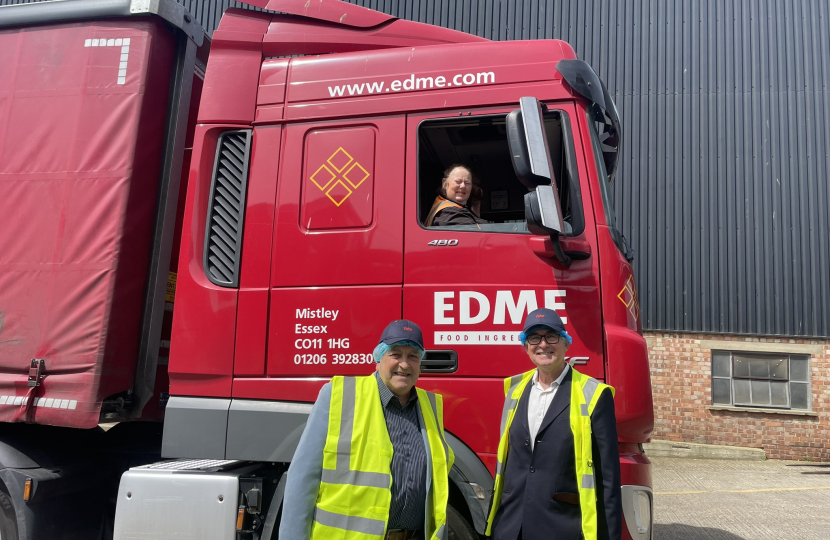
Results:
<point x="545" y="318"/>
<point x="402" y="330"/>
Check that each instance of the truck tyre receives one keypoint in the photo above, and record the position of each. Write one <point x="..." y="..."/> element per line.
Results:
<point x="8" y="523"/>
<point x="458" y="527"/>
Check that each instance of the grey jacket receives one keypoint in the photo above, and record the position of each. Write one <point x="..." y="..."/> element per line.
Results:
<point x="306" y="469"/>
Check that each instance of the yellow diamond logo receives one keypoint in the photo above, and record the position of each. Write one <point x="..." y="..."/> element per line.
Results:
<point x="356" y="175"/>
<point x="338" y="192"/>
<point x="322" y="177"/>
<point x="340" y="160"/>
<point x="628" y="296"/>
<point x="330" y="176"/>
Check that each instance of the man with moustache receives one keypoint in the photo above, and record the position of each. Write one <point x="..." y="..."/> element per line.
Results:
<point x="558" y="470"/>
<point x="372" y="461"/>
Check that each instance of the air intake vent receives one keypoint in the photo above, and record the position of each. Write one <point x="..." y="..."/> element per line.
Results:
<point x="439" y="362"/>
<point x="226" y="208"/>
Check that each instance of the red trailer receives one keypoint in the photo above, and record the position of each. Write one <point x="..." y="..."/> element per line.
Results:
<point x="321" y="134"/>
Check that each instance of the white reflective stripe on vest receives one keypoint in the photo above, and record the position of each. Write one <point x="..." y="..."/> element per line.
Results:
<point x="375" y="527"/>
<point x="344" y="443"/>
<point x="509" y="405"/>
<point x="589" y="390"/>
<point x="432" y="401"/>
<point x="587" y="481"/>
<point x="356" y="478"/>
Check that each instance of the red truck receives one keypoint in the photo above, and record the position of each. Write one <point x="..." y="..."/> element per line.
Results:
<point x="205" y="231"/>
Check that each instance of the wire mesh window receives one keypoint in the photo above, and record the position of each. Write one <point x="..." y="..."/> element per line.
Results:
<point x="775" y="381"/>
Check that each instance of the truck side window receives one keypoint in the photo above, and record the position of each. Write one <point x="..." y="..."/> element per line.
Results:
<point x="480" y="143"/>
<point x="606" y="188"/>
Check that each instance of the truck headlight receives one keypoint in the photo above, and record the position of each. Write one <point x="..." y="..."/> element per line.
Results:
<point x="637" y="502"/>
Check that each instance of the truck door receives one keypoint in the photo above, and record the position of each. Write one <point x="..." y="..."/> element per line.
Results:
<point x="469" y="287"/>
<point x="337" y="257"/>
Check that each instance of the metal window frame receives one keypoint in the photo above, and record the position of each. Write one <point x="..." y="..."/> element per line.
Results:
<point x="749" y="406"/>
<point x="761" y="405"/>
<point x="713" y="377"/>
<point x="808" y="382"/>
<point x="570" y="163"/>
<point x="778" y="356"/>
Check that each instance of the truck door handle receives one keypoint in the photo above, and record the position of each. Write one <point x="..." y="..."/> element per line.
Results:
<point x="445" y="361"/>
<point x="578" y="250"/>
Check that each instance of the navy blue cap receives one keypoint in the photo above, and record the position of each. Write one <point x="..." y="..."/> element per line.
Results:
<point x="544" y="317"/>
<point x="402" y="330"/>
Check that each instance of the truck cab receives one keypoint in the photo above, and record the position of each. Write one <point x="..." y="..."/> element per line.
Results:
<point x="304" y="235"/>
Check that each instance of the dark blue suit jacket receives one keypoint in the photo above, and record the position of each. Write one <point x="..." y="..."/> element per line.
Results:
<point x="537" y="483"/>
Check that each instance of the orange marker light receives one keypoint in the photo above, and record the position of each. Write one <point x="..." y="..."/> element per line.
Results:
<point x="240" y="518"/>
<point x="27" y="490"/>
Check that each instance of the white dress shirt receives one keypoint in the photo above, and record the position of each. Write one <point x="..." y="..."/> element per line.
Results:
<point x="539" y="401"/>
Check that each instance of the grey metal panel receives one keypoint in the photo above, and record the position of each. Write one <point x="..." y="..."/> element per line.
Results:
<point x="159" y="504"/>
<point x="265" y="430"/>
<point x="62" y="11"/>
<point x="195" y="428"/>
<point x="722" y="189"/>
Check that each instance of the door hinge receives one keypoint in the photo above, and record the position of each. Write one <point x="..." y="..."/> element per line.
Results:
<point x="36" y="372"/>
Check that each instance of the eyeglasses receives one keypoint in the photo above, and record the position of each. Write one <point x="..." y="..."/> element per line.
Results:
<point x="550" y="339"/>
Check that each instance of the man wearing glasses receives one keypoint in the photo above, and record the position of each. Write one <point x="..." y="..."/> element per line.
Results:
<point x="558" y="469"/>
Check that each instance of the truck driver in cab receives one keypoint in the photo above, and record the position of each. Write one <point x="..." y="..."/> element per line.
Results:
<point x="457" y="200"/>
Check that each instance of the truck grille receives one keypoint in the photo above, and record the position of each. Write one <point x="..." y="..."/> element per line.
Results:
<point x="226" y="208"/>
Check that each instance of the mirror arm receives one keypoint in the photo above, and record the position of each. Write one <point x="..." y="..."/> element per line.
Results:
<point x="558" y="252"/>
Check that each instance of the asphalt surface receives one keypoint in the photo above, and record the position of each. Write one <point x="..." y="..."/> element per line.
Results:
<point x="708" y="499"/>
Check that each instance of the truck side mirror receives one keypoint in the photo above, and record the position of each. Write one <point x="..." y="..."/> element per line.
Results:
<point x="541" y="209"/>
<point x="541" y="212"/>
<point x="530" y="155"/>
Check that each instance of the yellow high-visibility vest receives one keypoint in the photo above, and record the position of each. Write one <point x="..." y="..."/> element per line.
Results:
<point x="585" y="392"/>
<point x="355" y="490"/>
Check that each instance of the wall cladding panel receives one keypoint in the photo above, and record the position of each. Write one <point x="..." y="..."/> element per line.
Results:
<point x="722" y="189"/>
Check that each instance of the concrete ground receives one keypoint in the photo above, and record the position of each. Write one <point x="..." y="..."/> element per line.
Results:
<point x="713" y="499"/>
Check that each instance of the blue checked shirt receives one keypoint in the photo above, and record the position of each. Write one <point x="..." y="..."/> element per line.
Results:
<point x="409" y="460"/>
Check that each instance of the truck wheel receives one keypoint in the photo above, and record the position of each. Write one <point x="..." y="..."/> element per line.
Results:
<point x="458" y="527"/>
<point x="8" y="523"/>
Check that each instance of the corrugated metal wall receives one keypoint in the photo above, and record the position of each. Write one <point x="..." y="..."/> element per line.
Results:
<point x="723" y="189"/>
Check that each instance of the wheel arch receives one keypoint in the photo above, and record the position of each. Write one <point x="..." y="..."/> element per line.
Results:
<point x="467" y="470"/>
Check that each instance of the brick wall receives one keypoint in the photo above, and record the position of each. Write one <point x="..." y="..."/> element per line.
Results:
<point x="681" y="383"/>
